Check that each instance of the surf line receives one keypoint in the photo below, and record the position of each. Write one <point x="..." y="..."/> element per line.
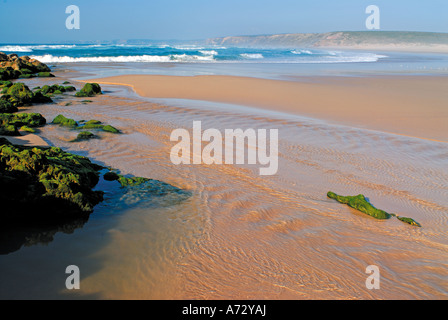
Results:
<point x="234" y="146"/>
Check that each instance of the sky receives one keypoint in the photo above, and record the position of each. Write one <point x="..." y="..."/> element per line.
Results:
<point x="43" y="21"/>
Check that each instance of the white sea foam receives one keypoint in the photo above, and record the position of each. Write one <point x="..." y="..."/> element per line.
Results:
<point x="143" y="58"/>
<point x="301" y="52"/>
<point x="209" y="52"/>
<point x="30" y="48"/>
<point x="252" y="55"/>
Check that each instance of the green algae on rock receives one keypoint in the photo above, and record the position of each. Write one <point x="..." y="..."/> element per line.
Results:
<point x="49" y="178"/>
<point x="19" y="95"/>
<point x="89" y="90"/>
<point x="360" y="203"/>
<point x="12" y="67"/>
<point x="45" y="75"/>
<point x="7" y="107"/>
<point x="63" y="121"/>
<point x="10" y="123"/>
<point x="63" y="185"/>
<point x="410" y="221"/>
<point x="85" y="135"/>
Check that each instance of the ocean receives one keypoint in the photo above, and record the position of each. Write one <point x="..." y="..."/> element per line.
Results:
<point x="283" y="63"/>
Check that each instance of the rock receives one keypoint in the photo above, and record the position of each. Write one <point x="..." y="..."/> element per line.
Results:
<point x="89" y="90"/>
<point x="93" y="122"/>
<point x="25" y="76"/>
<point x="85" y="135"/>
<point x="13" y="67"/>
<point x="27" y="129"/>
<point x="111" y="176"/>
<point x="45" y="74"/>
<point x="360" y="203"/>
<point x="41" y="98"/>
<point x="70" y="88"/>
<point x="410" y="221"/>
<point x="59" y="183"/>
<point x="19" y="94"/>
<point x="7" y="107"/>
<point x="3" y="57"/>
<point x="10" y="123"/>
<point x="109" y="128"/>
<point x="63" y="121"/>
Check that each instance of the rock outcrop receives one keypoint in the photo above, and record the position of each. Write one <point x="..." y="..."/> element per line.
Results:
<point x="360" y="203"/>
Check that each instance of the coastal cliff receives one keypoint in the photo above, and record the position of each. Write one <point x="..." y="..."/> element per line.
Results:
<point x="386" y="40"/>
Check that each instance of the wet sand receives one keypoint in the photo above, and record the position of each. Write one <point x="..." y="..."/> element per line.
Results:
<point x="242" y="235"/>
<point x="28" y="140"/>
<point x="413" y="106"/>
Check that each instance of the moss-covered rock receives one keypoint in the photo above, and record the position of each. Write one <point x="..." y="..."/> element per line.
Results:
<point x="11" y="123"/>
<point x="89" y="90"/>
<point x="96" y="124"/>
<point x="5" y="84"/>
<point x="19" y="94"/>
<point x="59" y="183"/>
<point x="85" y="135"/>
<point x="13" y="67"/>
<point x="69" y="88"/>
<point x="8" y="130"/>
<point x="133" y="181"/>
<point x="410" y="221"/>
<point x="25" y="76"/>
<point x="92" y="122"/>
<point x="91" y="126"/>
<point x="360" y="203"/>
<point x="45" y="75"/>
<point x="63" y="121"/>
<point x="39" y="97"/>
<point x="27" y="129"/>
<point x="109" y="128"/>
<point x="111" y="176"/>
<point x="7" y="107"/>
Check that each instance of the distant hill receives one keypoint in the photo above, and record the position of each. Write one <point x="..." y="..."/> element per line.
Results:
<point x="384" y="40"/>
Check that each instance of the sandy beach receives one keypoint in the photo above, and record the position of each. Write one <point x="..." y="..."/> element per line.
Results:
<point x="413" y="106"/>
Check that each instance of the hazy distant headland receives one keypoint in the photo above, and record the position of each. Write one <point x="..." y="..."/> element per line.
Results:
<point x="380" y="40"/>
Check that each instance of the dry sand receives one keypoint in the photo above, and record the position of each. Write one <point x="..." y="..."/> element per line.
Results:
<point x="413" y="106"/>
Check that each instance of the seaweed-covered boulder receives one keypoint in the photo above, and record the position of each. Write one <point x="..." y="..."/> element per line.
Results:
<point x="7" y="107"/>
<point x="39" y="97"/>
<point x="111" y="176"/>
<point x="109" y="128"/>
<point x="89" y="90"/>
<point x="360" y="203"/>
<point x="8" y="73"/>
<point x="85" y="135"/>
<point x="63" y="121"/>
<point x="19" y="94"/>
<point x="11" y="123"/>
<point x="95" y="124"/>
<point x="12" y="67"/>
<point x="69" y="88"/>
<point x="45" y="75"/>
<point x="54" y="89"/>
<point x="59" y="183"/>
